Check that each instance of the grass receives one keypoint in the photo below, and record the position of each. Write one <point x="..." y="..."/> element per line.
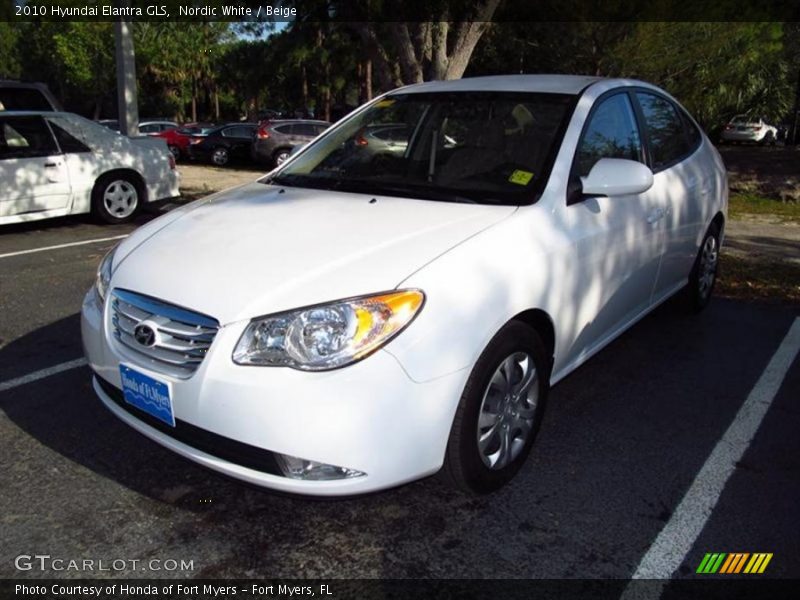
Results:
<point x="744" y="204"/>
<point x="759" y="280"/>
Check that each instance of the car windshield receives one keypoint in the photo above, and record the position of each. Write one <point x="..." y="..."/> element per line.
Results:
<point x="481" y="147"/>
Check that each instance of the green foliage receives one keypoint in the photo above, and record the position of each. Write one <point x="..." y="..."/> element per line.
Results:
<point x="9" y="64"/>
<point x="716" y="69"/>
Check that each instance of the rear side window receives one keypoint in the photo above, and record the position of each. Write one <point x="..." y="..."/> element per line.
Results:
<point x="692" y="132"/>
<point x="611" y="133"/>
<point x="283" y="129"/>
<point x="305" y="129"/>
<point x="67" y="142"/>
<point x="238" y="132"/>
<point x="25" y="137"/>
<point x="668" y="142"/>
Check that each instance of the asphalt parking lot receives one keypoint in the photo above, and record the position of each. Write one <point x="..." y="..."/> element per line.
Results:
<point x="624" y="439"/>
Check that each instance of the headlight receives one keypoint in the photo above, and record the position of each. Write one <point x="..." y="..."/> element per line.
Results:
<point x="104" y="275"/>
<point x="328" y="335"/>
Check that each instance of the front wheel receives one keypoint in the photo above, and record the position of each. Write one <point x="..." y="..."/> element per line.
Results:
<point x="500" y="411"/>
<point x="704" y="273"/>
<point x="116" y="198"/>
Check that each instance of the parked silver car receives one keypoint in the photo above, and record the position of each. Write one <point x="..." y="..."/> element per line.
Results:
<point x="274" y="140"/>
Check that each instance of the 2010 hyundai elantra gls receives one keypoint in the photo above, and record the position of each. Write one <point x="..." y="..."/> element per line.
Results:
<point x="363" y="317"/>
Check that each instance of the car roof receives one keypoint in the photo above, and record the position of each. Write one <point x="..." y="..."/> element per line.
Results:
<point x="34" y="113"/>
<point x="309" y="121"/>
<point x="554" y="84"/>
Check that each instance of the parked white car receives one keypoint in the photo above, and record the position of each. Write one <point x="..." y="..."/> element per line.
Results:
<point x="55" y="163"/>
<point x="358" y="319"/>
<point x="745" y="128"/>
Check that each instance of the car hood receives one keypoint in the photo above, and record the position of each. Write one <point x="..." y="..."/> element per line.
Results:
<point x="260" y="249"/>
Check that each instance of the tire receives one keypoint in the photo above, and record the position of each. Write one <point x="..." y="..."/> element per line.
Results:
<point x="704" y="272"/>
<point x="176" y="152"/>
<point x="280" y="155"/>
<point x="117" y="198"/>
<point x="477" y="460"/>
<point x="220" y="156"/>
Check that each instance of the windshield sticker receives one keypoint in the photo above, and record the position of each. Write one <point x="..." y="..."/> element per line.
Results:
<point x="521" y="177"/>
<point x="385" y="103"/>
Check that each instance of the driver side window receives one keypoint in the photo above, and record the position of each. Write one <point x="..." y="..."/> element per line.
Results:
<point x="612" y="133"/>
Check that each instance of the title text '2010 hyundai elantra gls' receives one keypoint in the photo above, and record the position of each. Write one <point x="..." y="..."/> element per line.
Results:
<point x="365" y="316"/>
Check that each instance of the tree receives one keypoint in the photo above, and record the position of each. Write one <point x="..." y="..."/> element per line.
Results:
<point x="9" y="65"/>
<point x="438" y="46"/>
<point x="715" y="69"/>
<point x="84" y="52"/>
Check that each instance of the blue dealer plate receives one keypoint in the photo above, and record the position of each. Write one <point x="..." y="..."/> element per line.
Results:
<point x="147" y="394"/>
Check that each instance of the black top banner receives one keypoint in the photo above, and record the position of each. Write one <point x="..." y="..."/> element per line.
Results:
<point x="399" y="10"/>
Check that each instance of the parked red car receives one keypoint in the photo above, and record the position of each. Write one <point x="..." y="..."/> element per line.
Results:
<point x="178" y="140"/>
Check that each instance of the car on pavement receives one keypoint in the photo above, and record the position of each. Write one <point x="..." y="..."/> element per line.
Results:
<point x="224" y="144"/>
<point x="179" y="139"/>
<point x="56" y="163"/>
<point x="353" y="320"/>
<point x="275" y="140"/>
<point x="746" y="128"/>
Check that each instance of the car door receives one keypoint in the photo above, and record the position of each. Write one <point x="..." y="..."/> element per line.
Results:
<point x="681" y="184"/>
<point x="33" y="173"/>
<point x="239" y="139"/>
<point x="617" y="239"/>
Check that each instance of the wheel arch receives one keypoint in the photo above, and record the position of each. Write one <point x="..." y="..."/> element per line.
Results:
<point x="542" y="323"/>
<point x="125" y="172"/>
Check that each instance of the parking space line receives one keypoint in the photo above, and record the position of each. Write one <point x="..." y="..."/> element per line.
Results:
<point x="674" y="542"/>
<point x="41" y="374"/>
<point x="59" y="246"/>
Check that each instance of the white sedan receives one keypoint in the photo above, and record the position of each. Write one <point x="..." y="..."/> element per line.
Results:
<point x="54" y="164"/>
<point x="744" y="128"/>
<point x="358" y="319"/>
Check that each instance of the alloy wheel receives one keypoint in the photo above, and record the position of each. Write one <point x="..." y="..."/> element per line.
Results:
<point x="508" y="408"/>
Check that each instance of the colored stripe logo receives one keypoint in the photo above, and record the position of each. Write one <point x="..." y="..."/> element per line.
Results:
<point x="734" y="563"/>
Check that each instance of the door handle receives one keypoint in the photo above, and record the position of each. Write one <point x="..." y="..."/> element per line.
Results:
<point x="656" y="215"/>
<point x="51" y="164"/>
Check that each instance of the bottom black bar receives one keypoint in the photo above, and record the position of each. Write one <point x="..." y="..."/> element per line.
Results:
<point x="749" y="587"/>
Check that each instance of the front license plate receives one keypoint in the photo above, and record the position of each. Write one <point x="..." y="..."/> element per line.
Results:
<point x="147" y="394"/>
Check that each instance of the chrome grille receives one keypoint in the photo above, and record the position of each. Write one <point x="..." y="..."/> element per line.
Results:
<point x="182" y="337"/>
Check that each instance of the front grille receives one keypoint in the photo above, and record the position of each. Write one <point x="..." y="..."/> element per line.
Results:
<point x="182" y="337"/>
<point x="206" y="441"/>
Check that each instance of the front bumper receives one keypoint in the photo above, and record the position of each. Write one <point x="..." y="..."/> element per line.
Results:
<point x="370" y="416"/>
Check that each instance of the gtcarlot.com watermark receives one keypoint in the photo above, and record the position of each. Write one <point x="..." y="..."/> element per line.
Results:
<point x="46" y="562"/>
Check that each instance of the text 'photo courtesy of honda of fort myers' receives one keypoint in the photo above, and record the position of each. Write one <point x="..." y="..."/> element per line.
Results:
<point x="370" y="313"/>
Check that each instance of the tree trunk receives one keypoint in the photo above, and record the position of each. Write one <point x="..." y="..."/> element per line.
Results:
<point x="368" y="80"/>
<point x="304" y="91"/>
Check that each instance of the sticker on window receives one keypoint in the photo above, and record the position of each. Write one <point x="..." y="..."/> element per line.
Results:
<point x="521" y="177"/>
<point x="385" y="103"/>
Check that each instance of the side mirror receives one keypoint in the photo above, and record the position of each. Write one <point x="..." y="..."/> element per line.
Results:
<point x="617" y="177"/>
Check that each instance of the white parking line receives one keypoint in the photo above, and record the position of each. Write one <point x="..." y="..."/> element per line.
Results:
<point x="59" y="246"/>
<point x="671" y="546"/>
<point x="41" y="374"/>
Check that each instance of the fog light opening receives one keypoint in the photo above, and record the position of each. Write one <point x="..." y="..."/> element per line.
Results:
<point x="311" y="470"/>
